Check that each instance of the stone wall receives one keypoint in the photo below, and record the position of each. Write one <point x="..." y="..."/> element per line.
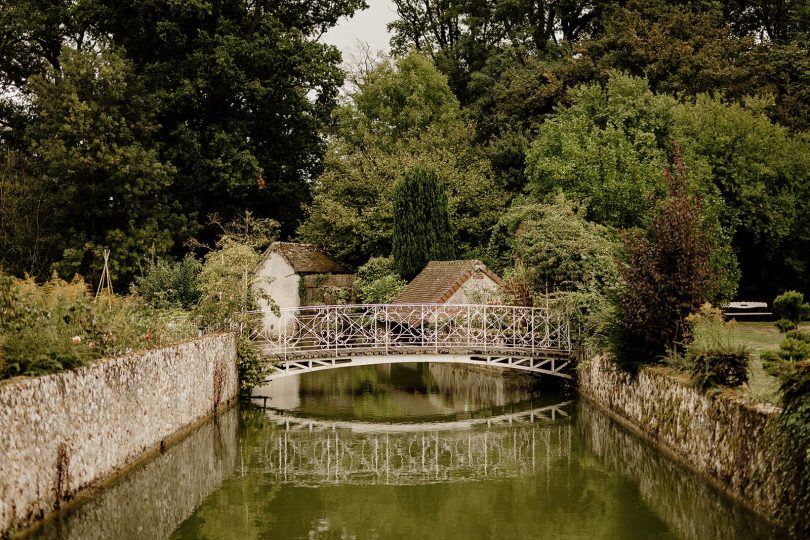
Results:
<point x="151" y="501"/>
<point x="690" y="506"/>
<point x="720" y="436"/>
<point x="63" y="433"/>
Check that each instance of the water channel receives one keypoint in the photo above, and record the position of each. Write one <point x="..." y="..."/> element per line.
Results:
<point x="410" y="451"/>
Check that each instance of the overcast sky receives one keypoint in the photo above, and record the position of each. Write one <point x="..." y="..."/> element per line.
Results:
<point x="367" y="26"/>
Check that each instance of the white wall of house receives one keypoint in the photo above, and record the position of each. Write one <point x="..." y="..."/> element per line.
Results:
<point x="277" y="278"/>
<point x="475" y="290"/>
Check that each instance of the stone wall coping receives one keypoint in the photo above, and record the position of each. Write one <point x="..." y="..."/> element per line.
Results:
<point x="95" y="363"/>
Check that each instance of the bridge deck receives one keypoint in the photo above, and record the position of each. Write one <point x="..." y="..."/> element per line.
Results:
<point x="270" y="350"/>
<point x="314" y="338"/>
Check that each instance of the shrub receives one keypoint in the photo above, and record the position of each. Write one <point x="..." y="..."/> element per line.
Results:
<point x="58" y="325"/>
<point x="771" y="363"/>
<point x="715" y="368"/>
<point x="794" y="350"/>
<point x="561" y="250"/>
<point x="790" y="305"/>
<point x="712" y="356"/>
<point x="785" y="325"/>
<point x="800" y="336"/>
<point x="791" y="437"/>
<point x="667" y="274"/>
<point x="166" y="284"/>
<point x="376" y="282"/>
<point x="252" y="368"/>
<point x="226" y="283"/>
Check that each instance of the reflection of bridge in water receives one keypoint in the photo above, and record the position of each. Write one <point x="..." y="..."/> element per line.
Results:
<point x="315" y="338"/>
<point x="315" y="452"/>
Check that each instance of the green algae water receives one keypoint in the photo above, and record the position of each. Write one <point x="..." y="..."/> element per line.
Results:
<point x="410" y="451"/>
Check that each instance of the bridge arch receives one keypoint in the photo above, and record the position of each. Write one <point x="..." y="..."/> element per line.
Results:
<point x="316" y="338"/>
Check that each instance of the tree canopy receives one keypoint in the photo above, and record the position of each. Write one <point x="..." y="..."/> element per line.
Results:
<point x="128" y="124"/>
<point x="146" y="117"/>
<point x="378" y="136"/>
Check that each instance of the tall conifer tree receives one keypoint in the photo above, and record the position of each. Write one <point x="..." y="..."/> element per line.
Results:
<point x="422" y="230"/>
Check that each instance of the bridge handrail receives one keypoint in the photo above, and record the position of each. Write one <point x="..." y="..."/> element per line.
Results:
<point x="335" y="329"/>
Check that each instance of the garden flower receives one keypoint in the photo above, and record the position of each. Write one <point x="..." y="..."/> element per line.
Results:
<point x="77" y="340"/>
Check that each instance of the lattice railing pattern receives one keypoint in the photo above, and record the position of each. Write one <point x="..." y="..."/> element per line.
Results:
<point x="316" y="458"/>
<point x="383" y="328"/>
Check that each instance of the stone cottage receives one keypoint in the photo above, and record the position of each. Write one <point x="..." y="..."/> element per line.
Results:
<point x="295" y="275"/>
<point x="451" y="282"/>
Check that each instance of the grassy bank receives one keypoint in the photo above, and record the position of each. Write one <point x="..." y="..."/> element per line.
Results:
<point x="761" y="337"/>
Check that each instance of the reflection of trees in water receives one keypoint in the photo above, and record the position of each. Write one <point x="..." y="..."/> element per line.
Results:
<point x="409" y="390"/>
<point x="686" y="502"/>
<point x="152" y="500"/>
<point x="477" y="387"/>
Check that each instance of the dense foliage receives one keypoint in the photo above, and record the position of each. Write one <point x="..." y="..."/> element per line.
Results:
<point x="790" y="305"/>
<point x="623" y="128"/>
<point x="422" y="230"/>
<point x="59" y="325"/>
<point x="713" y="356"/>
<point x="791" y="435"/>
<point x="376" y="282"/>
<point x="128" y="123"/>
<point x="401" y="115"/>
<point x="667" y="274"/>
<point x="559" y="247"/>
<point x="166" y="284"/>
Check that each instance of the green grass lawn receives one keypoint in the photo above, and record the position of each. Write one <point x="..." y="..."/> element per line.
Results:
<point x="759" y="337"/>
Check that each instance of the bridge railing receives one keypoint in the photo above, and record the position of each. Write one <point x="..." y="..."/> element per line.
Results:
<point x="383" y="328"/>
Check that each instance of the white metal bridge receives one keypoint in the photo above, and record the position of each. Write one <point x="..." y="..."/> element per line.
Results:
<point x="315" y="338"/>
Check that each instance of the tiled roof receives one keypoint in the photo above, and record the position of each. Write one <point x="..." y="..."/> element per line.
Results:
<point x="440" y="279"/>
<point x="306" y="258"/>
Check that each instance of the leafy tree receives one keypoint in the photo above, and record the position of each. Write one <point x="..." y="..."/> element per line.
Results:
<point x="757" y="174"/>
<point x="422" y="231"/>
<point x="679" y="49"/>
<point x="666" y="275"/>
<point x="376" y="282"/>
<point x="606" y="148"/>
<point x="770" y="20"/>
<point x="226" y="282"/>
<point x="165" y="284"/>
<point x="216" y="105"/>
<point x="461" y="35"/>
<point x="245" y="89"/>
<point x="510" y="98"/>
<point x="558" y="256"/>
<point x="99" y="165"/>
<point x="558" y="247"/>
<point x="28" y="239"/>
<point x="784" y="71"/>
<point x="399" y="99"/>
<point x="401" y="116"/>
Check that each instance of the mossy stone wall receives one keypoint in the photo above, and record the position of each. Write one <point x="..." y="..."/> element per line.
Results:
<point x="722" y="436"/>
<point x="63" y="433"/>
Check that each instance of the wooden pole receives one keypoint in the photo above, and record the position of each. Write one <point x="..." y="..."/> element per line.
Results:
<point x="106" y="281"/>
